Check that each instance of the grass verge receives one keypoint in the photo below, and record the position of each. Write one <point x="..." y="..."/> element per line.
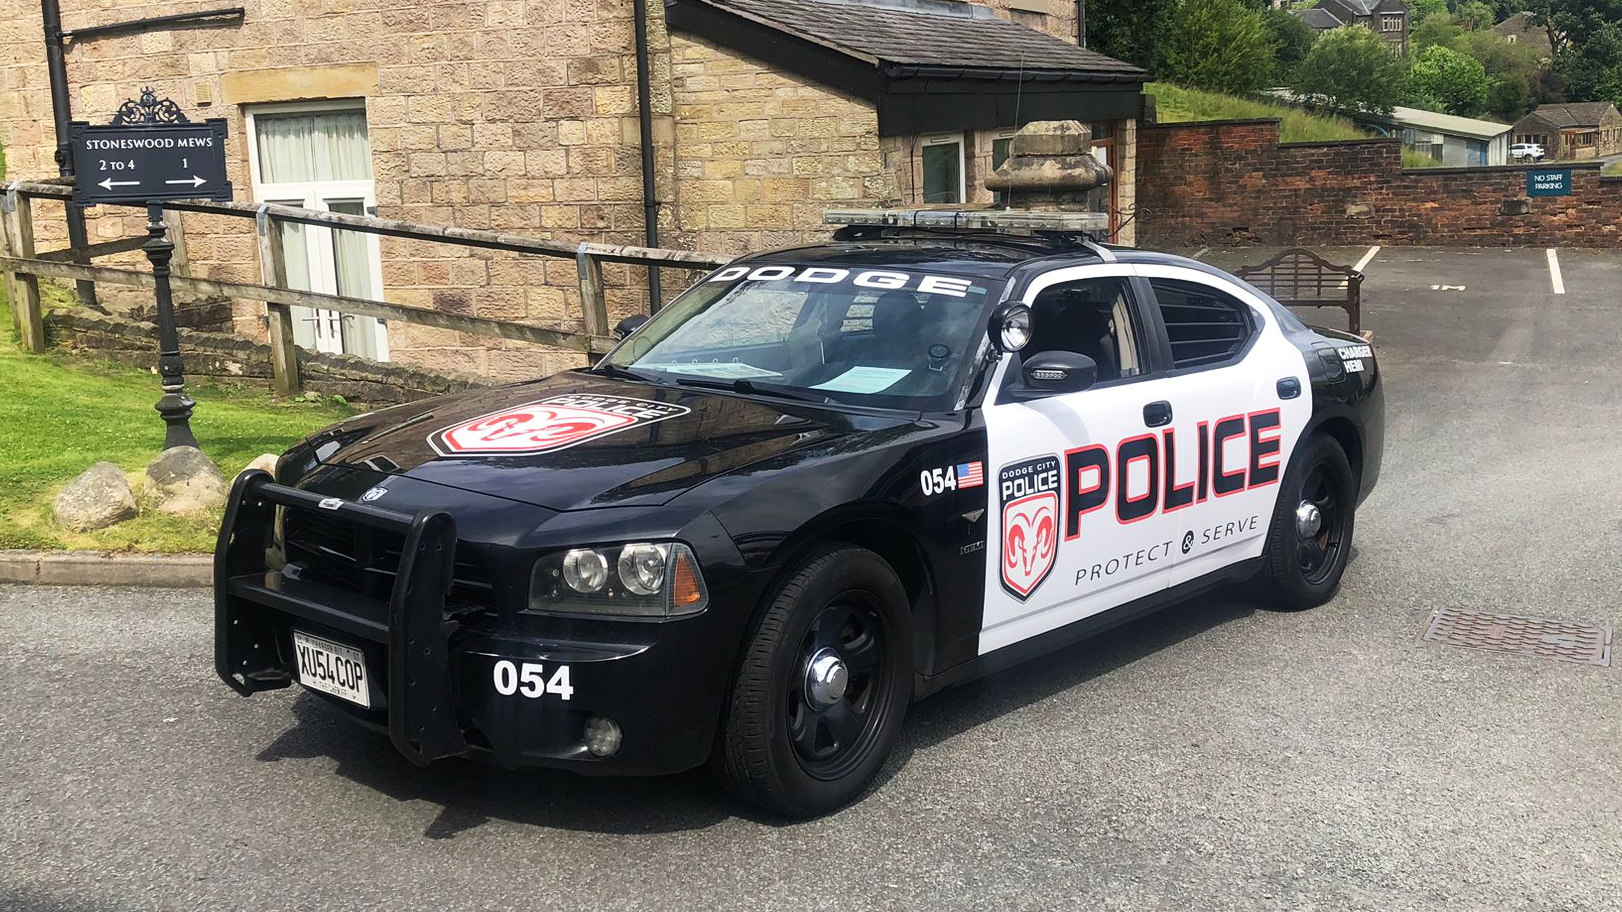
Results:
<point x="1175" y="104"/>
<point x="58" y="415"/>
<point x="1614" y="169"/>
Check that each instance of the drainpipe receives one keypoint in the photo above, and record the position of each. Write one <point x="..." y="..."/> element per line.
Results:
<point x="1081" y="23"/>
<point x="61" y="112"/>
<point x="644" y="116"/>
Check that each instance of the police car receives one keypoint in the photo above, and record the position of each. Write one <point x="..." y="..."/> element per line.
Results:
<point x="822" y="483"/>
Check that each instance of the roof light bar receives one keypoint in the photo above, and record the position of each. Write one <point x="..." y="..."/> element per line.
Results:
<point x="948" y="219"/>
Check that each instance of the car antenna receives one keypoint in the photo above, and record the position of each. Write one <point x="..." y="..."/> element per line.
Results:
<point x="1019" y="89"/>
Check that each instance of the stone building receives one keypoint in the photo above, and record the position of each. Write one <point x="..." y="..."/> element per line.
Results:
<point x="522" y="116"/>
<point x="1573" y="131"/>
<point x="1386" y="18"/>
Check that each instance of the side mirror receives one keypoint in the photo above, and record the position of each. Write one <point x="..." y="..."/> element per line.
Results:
<point x="1051" y="373"/>
<point x="629" y="325"/>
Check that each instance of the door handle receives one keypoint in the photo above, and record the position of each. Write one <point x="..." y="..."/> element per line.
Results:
<point x="1157" y="414"/>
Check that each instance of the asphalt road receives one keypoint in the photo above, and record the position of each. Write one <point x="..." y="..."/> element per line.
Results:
<point x="1211" y="757"/>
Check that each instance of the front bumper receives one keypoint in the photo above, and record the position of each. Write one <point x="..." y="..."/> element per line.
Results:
<point x="433" y="668"/>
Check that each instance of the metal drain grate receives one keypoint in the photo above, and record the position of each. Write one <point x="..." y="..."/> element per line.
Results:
<point x="1545" y="638"/>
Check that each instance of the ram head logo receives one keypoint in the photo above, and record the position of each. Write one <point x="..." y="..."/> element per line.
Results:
<point x="1029" y="541"/>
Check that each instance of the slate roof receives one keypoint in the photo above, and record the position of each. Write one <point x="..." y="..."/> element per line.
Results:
<point x="1319" y="18"/>
<point x="924" y="33"/>
<point x="1574" y="114"/>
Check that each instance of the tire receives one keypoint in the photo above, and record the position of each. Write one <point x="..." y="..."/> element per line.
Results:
<point x="783" y="746"/>
<point x="1301" y="571"/>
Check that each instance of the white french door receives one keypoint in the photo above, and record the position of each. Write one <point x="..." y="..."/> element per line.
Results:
<point x="317" y="156"/>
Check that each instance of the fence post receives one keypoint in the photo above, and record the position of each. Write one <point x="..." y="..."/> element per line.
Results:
<point x="592" y="300"/>
<point x="181" y="263"/>
<point x="284" y="369"/>
<point x="30" y="322"/>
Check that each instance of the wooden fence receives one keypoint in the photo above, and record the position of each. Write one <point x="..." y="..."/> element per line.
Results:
<point x="23" y="267"/>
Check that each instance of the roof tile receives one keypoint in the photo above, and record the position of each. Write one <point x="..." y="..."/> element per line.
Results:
<point x="926" y="36"/>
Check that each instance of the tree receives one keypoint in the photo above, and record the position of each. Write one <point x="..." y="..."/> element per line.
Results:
<point x="1218" y="45"/>
<point x="1593" y="69"/>
<point x="1511" y="68"/>
<point x="1420" y="10"/>
<point x="1441" y="30"/>
<point x="1131" y="30"/>
<point x="1350" y="69"/>
<point x="1291" y="39"/>
<point x="1475" y="16"/>
<point x="1447" y="80"/>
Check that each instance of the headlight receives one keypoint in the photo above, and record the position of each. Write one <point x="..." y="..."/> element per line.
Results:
<point x="640" y="579"/>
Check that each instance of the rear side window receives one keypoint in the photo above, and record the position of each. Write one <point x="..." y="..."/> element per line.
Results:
<point x="1206" y="327"/>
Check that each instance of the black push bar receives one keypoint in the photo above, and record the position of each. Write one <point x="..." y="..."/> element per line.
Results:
<point x="411" y="625"/>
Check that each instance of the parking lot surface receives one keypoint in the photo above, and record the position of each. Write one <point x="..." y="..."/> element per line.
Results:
<point x="1210" y="757"/>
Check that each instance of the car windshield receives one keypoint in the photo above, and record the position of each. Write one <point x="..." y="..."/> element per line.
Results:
<point x="888" y="338"/>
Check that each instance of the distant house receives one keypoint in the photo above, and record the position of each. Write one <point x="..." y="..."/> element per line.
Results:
<point x="1574" y="130"/>
<point x="1460" y="142"/>
<point x="1387" y="18"/>
<point x="1520" y="29"/>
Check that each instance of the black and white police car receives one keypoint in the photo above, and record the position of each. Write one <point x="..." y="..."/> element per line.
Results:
<point x="822" y="483"/>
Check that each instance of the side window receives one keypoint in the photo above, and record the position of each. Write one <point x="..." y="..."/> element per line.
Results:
<point x="1206" y="327"/>
<point x="1092" y="317"/>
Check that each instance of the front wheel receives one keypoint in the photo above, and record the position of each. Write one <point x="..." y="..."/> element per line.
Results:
<point x="822" y="689"/>
<point x="1310" y="538"/>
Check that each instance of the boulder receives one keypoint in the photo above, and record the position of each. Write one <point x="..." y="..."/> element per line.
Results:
<point x="266" y="462"/>
<point x="95" y="500"/>
<point x="183" y="480"/>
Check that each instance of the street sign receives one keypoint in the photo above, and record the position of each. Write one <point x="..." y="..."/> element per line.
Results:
<point x="1548" y="183"/>
<point x="149" y="162"/>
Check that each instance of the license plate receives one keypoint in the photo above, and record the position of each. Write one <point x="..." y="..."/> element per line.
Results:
<point x="330" y="668"/>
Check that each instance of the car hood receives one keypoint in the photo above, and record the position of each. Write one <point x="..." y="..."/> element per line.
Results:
<point x="580" y="440"/>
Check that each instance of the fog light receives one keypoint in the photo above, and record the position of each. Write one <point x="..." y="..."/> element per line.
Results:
<point x="602" y="736"/>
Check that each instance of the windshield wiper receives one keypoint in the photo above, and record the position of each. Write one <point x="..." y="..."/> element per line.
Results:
<point x="751" y="388"/>
<point x="614" y="370"/>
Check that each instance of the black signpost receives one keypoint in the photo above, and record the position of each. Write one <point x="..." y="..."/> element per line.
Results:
<point x="148" y="154"/>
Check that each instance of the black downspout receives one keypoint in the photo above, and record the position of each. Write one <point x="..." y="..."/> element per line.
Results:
<point x="61" y="113"/>
<point x="1081" y="23"/>
<point x="644" y="116"/>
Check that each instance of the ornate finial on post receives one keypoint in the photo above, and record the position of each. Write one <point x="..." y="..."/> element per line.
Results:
<point x="149" y="110"/>
<point x="175" y="406"/>
<point x="1050" y="166"/>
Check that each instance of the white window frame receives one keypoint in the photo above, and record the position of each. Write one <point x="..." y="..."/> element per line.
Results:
<point x="941" y="139"/>
<point x="998" y="136"/>
<point x="322" y="276"/>
<point x="1390" y="23"/>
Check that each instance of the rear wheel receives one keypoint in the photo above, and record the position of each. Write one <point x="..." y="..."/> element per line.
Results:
<point x="823" y="687"/>
<point x="1310" y="538"/>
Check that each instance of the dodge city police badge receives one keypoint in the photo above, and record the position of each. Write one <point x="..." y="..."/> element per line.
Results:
<point x="1030" y="523"/>
<point x="549" y="425"/>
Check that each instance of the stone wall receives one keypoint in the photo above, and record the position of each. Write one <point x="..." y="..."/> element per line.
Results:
<point x="511" y="115"/>
<point x="1232" y="182"/>
<point x="225" y="358"/>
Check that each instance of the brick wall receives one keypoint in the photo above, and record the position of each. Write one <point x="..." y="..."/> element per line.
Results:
<point x="1232" y="182"/>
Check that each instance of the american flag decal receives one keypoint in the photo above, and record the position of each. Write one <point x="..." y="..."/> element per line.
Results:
<point x="971" y="474"/>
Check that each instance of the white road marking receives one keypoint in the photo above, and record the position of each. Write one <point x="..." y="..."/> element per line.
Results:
<point x="1447" y="288"/>
<point x="1203" y="252"/>
<point x="1367" y="258"/>
<point x="1555" y="280"/>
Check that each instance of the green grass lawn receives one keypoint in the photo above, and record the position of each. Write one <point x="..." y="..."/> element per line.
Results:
<point x="60" y="414"/>
<point x="1614" y="169"/>
<point x="1175" y="104"/>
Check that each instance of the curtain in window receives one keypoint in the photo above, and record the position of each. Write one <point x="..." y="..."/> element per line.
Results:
<point x="321" y="146"/>
<point x="352" y="260"/>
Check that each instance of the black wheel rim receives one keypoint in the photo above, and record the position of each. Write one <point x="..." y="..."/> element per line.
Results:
<point x="832" y="736"/>
<point x="1319" y="544"/>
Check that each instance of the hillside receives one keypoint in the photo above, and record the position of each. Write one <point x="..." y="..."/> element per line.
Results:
<point x="1176" y="104"/>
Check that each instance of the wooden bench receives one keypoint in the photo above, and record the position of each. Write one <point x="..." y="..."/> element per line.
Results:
<point x="1300" y="278"/>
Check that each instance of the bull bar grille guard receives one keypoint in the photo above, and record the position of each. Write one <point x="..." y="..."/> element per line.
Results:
<point x="411" y="625"/>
